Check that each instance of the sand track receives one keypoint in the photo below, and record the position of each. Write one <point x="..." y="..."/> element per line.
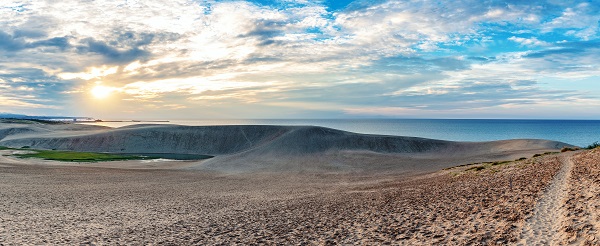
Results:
<point x="544" y="225"/>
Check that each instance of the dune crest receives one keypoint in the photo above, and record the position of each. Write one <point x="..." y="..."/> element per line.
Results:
<point x="273" y="148"/>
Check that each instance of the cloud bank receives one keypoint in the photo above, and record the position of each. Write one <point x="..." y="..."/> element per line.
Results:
<point x="296" y="59"/>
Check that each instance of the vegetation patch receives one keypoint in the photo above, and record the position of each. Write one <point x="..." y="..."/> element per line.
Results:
<point x="72" y="156"/>
<point x="500" y="162"/>
<point x="565" y="149"/>
<point x="593" y="145"/>
<point x="547" y="153"/>
<point x="483" y="165"/>
<point x="477" y="168"/>
<point x="4" y="148"/>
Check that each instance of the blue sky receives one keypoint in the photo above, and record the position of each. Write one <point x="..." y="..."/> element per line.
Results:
<point x="301" y="59"/>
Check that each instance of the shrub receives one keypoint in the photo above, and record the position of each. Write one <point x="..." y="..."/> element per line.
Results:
<point x="593" y="145"/>
<point x="537" y="155"/>
<point x="478" y="168"/>
<point x="565" y="149"/>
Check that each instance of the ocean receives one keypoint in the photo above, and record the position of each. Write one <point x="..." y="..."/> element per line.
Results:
<point x="576" y="132"/>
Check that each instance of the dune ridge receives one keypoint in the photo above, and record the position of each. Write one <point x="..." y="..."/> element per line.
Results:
<point x="272" y="148"/>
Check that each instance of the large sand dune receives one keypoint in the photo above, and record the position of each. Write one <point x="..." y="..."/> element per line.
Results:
<point x="272" y="148"/>
<point x="315" y="197"/>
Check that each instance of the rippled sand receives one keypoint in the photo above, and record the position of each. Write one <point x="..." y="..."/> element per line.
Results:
<point x="55" y="204"/>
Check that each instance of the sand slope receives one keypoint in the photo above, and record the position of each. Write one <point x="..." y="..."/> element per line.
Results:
<point x="273" y="148"/>
<point x="72" y="205"/>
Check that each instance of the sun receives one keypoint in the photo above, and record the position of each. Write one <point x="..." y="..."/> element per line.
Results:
<point x="101" y="92"/>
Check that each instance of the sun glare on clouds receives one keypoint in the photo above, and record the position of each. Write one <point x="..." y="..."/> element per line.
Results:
<point x="101" y="92"/>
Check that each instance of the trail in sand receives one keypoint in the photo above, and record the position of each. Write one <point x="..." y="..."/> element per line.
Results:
<point x="545" y="223"/>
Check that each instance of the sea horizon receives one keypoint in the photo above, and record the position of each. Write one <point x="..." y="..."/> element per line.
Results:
<point x="572" y="131"/>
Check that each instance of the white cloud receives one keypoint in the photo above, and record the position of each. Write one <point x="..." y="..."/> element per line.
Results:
<point x="91" y="73"/>
<point x="186" y="51"/>
<point x="528" y="41"/>
<point x="19" y="103"/>
<point x="581" y="19"/>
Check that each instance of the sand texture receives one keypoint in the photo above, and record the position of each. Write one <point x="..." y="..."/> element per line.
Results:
<point x="44" y="204"/>
<point x="581" y="210"/>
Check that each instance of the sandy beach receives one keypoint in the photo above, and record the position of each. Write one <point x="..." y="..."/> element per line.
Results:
<point x="136" y="202"/>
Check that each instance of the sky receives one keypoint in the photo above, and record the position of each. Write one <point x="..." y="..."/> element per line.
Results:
<point x="191" y="59"/>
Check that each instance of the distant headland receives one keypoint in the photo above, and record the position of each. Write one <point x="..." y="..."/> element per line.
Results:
<point x="66" y="119"/>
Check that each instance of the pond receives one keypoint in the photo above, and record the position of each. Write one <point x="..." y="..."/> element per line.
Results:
<point x="173" y="156"/>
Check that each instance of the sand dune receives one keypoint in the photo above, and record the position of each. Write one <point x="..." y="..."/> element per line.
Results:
<point x="332" y="205"/>
<point x="273" y="148"/>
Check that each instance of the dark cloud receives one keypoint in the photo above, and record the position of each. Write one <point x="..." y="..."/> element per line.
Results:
<point x="9" y="43"/>
<point x="265" y="31"/>
<point x="125" y="47"/>
<point x="30" y="33"/>
<point x="59" y="42"/>
<point x="13" y="43"/>
<point x="132" y="39"/>
<point x="112" y="54"/>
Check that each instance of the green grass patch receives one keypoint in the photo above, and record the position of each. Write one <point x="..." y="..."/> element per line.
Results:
<point x="477" y="168"/>
<point x="4" y="148"/>
<point x="500" y="162"/>
<point x="72" y="156"/>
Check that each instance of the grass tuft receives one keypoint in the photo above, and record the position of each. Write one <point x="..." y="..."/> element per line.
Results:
<point x="565" y="149"/>
<point x="477" y="168"/>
